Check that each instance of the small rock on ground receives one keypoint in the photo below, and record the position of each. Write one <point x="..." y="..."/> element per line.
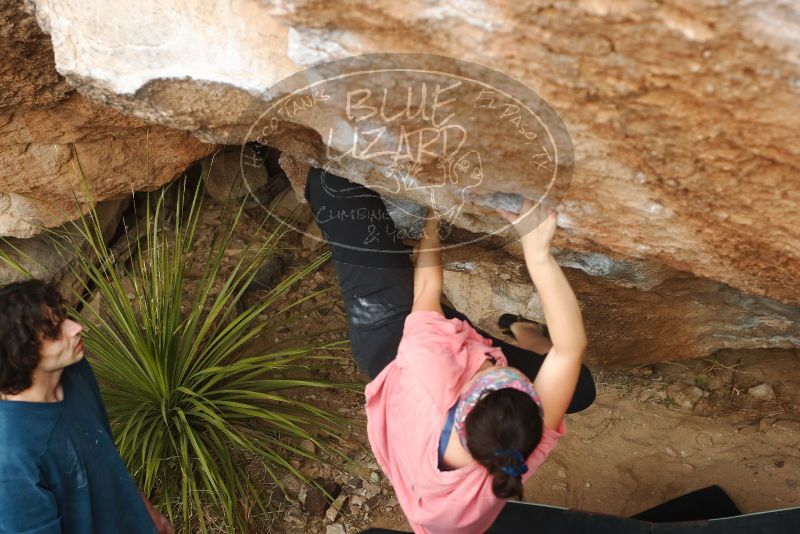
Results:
<point x="762" y="392"/>
<point x="315" y="502"/>
<point x="684" y="396"/>
<point x="370" y="490"/>
<point x="335" y="508"/>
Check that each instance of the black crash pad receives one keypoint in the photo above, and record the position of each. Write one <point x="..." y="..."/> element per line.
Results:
<point x="705" y="511"/>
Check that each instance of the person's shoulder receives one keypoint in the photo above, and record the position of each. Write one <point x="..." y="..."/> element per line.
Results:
<point x="24" y="437"/>
<point x="437" y="355"/>
<point x="425" y="317"/>
<point x="424" y="326"/>
<point x="20" y="419"/>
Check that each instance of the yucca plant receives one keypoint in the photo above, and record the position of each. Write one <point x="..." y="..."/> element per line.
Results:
<point x="192" y="408"/>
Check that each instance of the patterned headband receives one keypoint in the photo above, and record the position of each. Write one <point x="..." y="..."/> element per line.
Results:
<point x="497" y="378"/>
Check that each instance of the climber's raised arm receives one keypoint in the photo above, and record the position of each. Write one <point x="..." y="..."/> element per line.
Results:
<point x="428" y="270"/>
<point x="558" y="375"/>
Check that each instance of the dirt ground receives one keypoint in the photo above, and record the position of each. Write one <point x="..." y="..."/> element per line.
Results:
<point x="628" y="453"/>
<point x="654" y="433"/>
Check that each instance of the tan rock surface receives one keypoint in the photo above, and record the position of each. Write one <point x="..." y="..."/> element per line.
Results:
<point x="46" y="128"/>
<point x="632" y="314"/>
<point x="234" y="172"/>
<point x="47" y="256"/>
<point x="682" y="113"/>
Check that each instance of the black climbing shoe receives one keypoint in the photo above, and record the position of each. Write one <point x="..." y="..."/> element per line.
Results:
<point x="507" y="319"/>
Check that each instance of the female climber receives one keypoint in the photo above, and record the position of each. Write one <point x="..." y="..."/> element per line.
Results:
<point x="457" y="420"/>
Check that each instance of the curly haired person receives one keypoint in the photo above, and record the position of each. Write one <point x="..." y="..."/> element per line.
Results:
<point x="60" y="471"/>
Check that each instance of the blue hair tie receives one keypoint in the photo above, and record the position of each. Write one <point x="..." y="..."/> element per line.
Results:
<point x="519" y="467"/>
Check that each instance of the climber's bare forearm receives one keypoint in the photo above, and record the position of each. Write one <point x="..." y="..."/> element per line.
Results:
<point x="558" y="376"/>
<point x="560" y="306"/>
<point x="428" y="276"/>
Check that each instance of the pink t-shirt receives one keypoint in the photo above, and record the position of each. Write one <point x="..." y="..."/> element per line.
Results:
<point x="407" y="405"/>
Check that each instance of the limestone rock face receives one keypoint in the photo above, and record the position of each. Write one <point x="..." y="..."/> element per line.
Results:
<point x="680" y="229"/>
<point x="633" y="313"/>
<point x="682" y="113"/>
<point x="47" y="129"/>
<point x="234" y="172"/>
<point x="47" y="256"/>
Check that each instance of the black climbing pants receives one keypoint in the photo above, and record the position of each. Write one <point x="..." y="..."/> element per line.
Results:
<point x="377" y="278"/>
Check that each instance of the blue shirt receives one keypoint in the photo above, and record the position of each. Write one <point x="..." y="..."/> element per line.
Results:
<point x="444" y="439"/>
<point x="59" y="468"/>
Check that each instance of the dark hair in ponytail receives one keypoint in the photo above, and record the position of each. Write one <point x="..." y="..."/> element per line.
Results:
<point x="505" y="421"/>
